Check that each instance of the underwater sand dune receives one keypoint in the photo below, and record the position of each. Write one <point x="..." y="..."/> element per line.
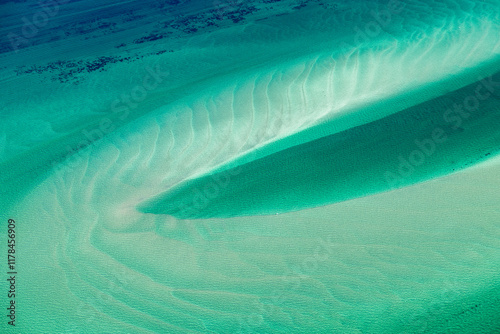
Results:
<point x="314" y="113"/>
<point x="434" y="138"/>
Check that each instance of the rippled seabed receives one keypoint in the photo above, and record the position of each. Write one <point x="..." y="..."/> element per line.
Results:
<point x="252" y="167"/>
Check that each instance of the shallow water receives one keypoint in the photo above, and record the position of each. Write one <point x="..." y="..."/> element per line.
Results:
<point x="252" y="167"/>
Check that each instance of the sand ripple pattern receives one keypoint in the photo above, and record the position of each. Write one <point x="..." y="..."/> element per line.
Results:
<point x="364" y="259"/>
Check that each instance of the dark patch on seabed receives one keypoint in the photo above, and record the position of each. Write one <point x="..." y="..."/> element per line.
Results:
<point x="170" y="23"/>
<point x="442" y="135"/>
<point x="474" y="314"/>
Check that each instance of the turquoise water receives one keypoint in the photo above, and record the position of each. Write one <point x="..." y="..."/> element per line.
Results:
<point x="251" y="167"/>
<point x="421" y="142"/>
